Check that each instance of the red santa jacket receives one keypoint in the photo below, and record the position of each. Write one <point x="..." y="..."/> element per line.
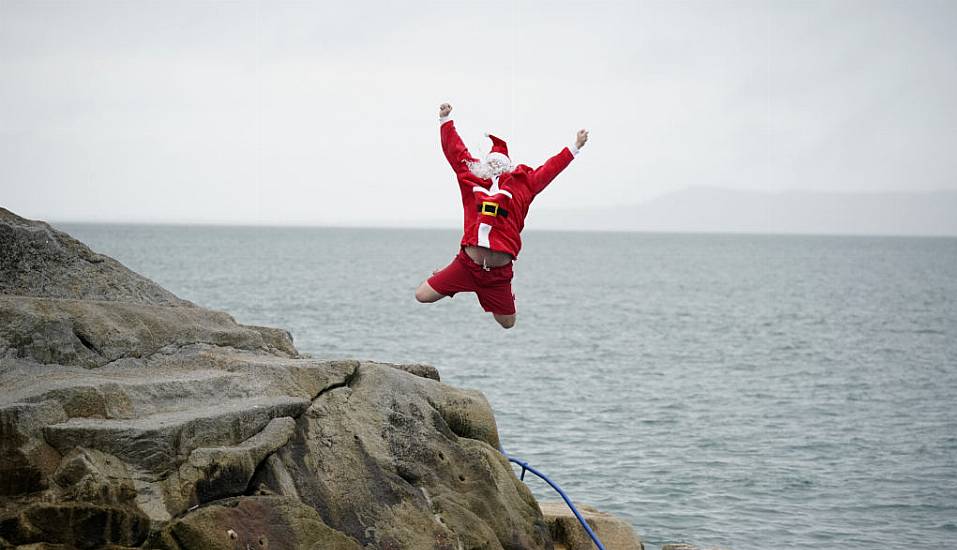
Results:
<point x="495" y="210"/>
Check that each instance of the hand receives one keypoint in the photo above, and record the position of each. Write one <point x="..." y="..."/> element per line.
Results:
<point x="444" y="109"/>
<point x="582" y="138"/>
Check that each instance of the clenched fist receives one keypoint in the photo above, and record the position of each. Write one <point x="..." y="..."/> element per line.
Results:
<point x="580" y="141"/>
<point x="445" y="109"/>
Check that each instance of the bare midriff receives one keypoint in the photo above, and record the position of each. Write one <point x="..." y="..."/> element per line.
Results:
<point x="487" y="257"/>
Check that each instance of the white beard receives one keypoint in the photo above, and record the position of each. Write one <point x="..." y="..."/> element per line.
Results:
<point x="491" y="167"/>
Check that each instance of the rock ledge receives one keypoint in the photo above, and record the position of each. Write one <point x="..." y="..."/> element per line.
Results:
<point x="130" y="418"/>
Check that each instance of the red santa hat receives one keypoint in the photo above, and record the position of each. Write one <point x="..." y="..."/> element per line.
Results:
<point x="498" y="145"/>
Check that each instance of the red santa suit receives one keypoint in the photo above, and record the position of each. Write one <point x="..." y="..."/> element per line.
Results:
<point x="494" y="216"/>
<point x="495" y="209"/>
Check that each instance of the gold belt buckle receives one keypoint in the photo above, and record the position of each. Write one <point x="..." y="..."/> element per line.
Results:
<point x="486" y="208"/>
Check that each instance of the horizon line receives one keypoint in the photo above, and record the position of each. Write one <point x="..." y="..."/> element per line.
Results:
<point x="228" y="225"/>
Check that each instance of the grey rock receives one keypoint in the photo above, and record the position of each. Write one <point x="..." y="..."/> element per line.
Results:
<point x="412" y="465"/>
<point x="76" y="524"/>
<point x="156" y="443"/>
<point x="26" y="461"/>
<point x="252" y="522"/>
<point x="132" y="418"/>
<point x="212" y="473"/>
<point x="37" y="260"/>
<point x="418" y="369"/>
<point x="274" y="479"/>
<point x="93" y="334"/>
<point x="568" y="533"/>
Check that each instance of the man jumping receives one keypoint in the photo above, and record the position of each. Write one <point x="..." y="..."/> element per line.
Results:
<point x="496" y="195"/>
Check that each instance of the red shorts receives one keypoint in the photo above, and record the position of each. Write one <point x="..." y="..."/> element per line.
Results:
<point x="493" y="287"/>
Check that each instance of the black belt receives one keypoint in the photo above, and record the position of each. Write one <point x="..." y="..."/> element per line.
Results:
<point x="491" y="209"/>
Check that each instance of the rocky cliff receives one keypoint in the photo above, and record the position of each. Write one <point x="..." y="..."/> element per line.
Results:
<point x="132" y="418"/>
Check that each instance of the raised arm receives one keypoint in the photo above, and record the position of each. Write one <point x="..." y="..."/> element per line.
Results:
<point x="455" y="151"/>
<point x="544" y="174"/>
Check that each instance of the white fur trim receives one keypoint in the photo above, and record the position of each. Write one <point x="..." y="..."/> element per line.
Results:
<point x="491" y="192"/>
<point x="500" y="157"/>
<point x="483" y="232"/>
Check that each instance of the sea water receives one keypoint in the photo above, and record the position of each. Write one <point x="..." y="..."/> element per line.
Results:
<point x="741" y="391"/>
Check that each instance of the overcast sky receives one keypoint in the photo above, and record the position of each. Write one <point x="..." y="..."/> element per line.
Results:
<point x="325" y="112"/>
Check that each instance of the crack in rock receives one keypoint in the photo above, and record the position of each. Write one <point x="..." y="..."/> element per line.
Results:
<point x="347" y="382"/>
<point x="87" y="343"/>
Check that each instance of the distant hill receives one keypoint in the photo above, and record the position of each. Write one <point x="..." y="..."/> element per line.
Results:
<point x="711" y="209"/>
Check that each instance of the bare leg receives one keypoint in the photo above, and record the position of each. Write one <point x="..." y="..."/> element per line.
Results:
<point x="426" y="294"/>
<point x="507" y="321"/>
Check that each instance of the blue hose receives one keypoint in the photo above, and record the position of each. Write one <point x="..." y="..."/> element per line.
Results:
<point x="555" y="486"/>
